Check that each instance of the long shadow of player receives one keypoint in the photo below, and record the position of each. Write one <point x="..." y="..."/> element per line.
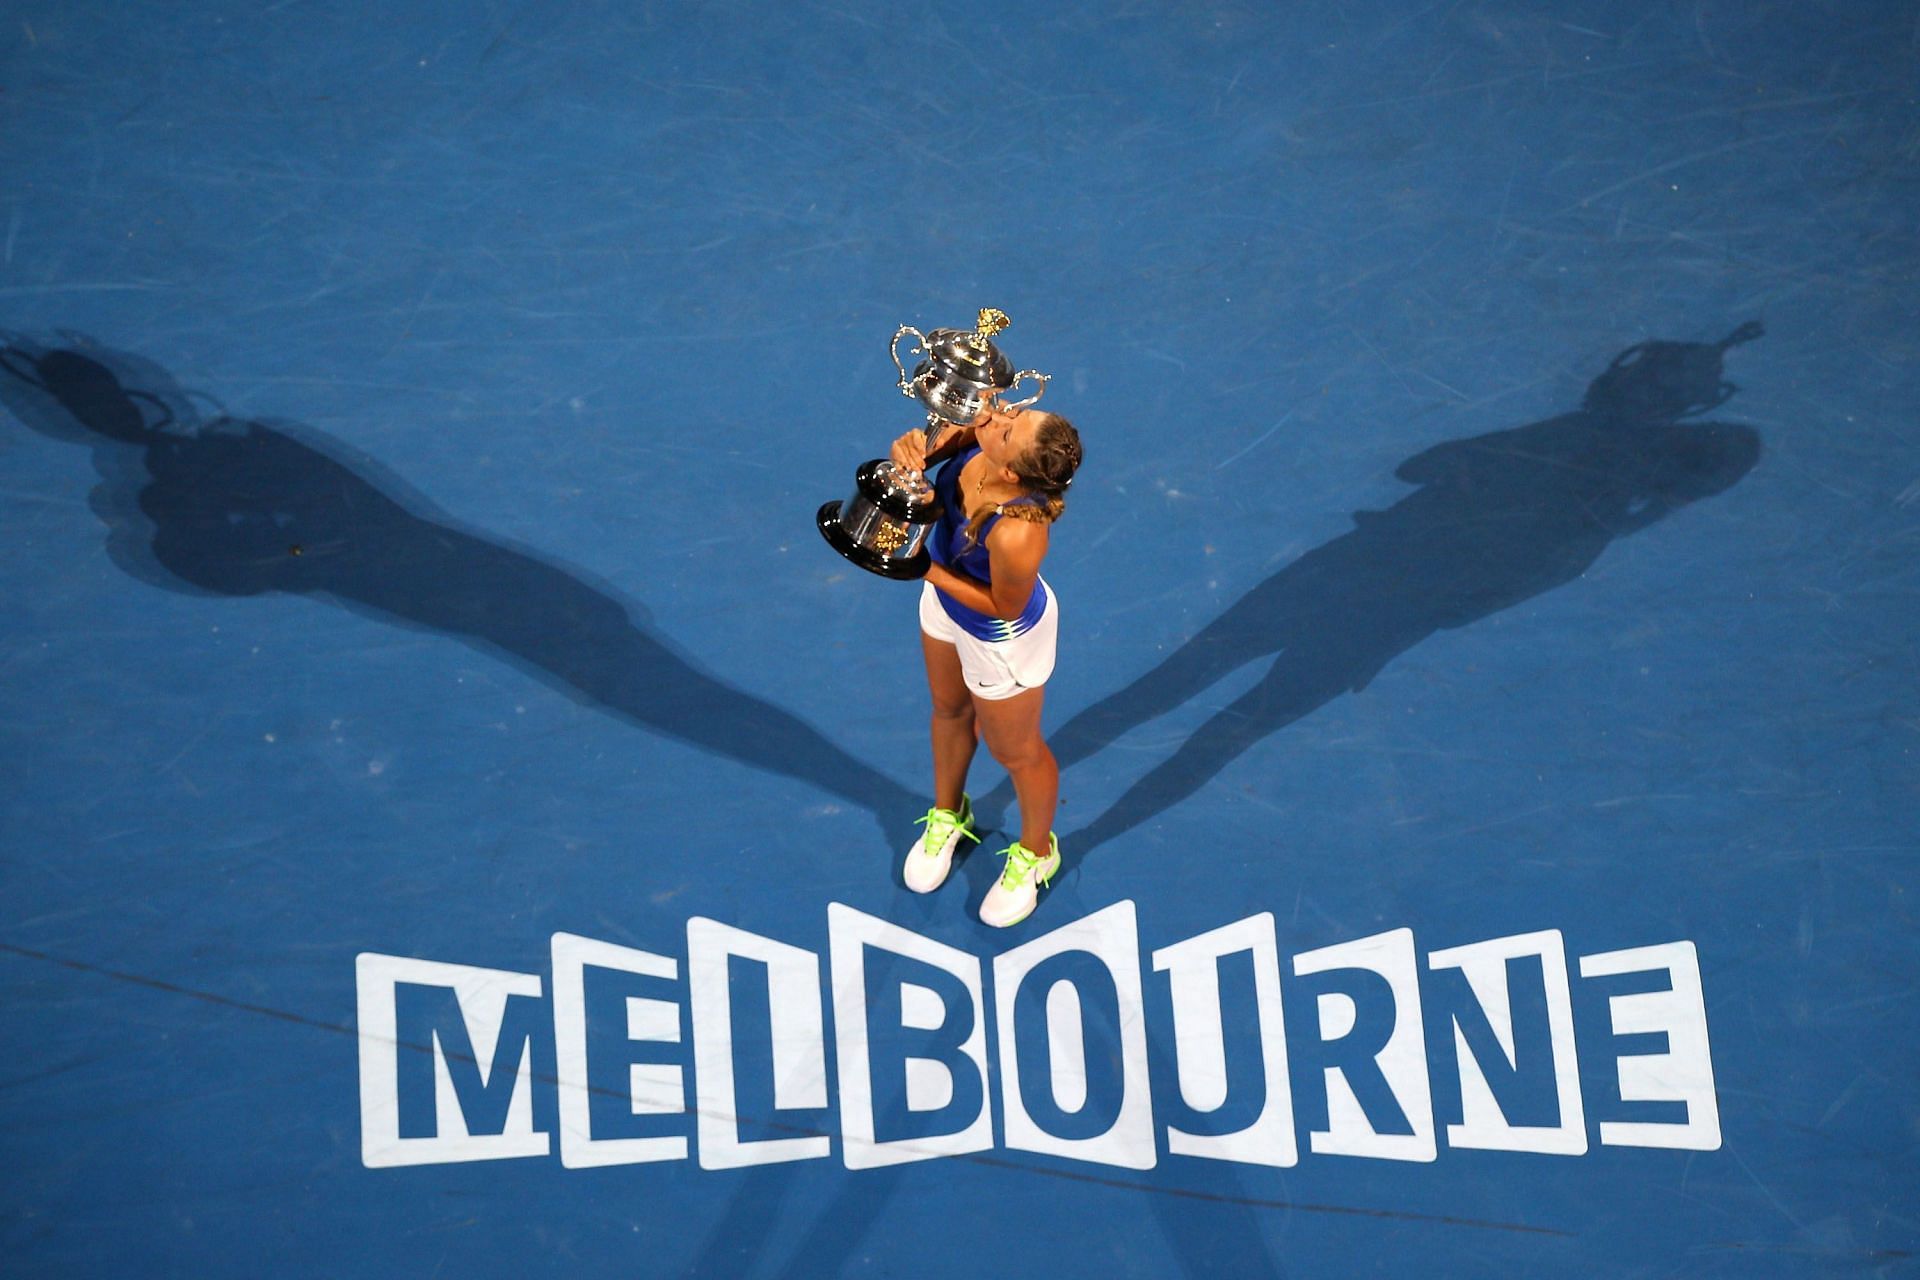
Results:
<point x="1497" y="519"/>
<point x="241" y="508"/>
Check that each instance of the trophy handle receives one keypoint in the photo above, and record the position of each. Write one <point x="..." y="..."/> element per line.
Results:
<point x="893" y="349"/>
<point x="1044" y="379"/>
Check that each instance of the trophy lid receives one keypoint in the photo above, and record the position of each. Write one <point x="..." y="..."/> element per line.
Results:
<point x="973" y="355"/>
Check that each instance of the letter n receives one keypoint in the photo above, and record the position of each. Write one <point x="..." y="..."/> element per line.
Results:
<point x="1488" y="1021"/>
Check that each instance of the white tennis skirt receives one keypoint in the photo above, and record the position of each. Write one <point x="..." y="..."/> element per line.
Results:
<point x="996" y="669"/>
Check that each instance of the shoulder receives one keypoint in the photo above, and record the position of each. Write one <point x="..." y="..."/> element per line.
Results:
<point x="1013" y="536"/>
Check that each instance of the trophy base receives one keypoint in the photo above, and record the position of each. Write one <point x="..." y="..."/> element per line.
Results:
<point x="914" y="566"/>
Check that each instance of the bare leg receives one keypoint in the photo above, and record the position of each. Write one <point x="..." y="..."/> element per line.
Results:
<point x="1011" y="727"/>
<point x="954" y="735"/>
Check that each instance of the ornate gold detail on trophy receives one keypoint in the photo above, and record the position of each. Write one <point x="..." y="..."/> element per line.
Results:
<point x="889" y="536"/>
<point x="992" y="320"/>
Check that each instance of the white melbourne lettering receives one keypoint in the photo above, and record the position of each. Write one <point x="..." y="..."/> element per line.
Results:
<point x="1109" y="937"/>
<point x="794" y="1032"/>
<point x="1199" y="1039"/>
<point x="452" y="1056"/>
<point x="1399" y="1060"/>
<point x="854" y="938"/>
<point x="651" y="1088"/>
<point x="477" y="1001"/>
<point x="1483" y="1123"/>
<point x="1684" y="1073"/>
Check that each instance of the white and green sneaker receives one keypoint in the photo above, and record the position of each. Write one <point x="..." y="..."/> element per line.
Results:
<point x="932" y="854"/>
<point x="1012" y="897"/>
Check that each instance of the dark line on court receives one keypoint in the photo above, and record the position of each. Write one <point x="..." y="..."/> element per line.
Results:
<point x="996" y="1162"/>
<point x="1256" y="1203"/>
<point x="1807" y="1251"/>
<point x="207" y="997"/>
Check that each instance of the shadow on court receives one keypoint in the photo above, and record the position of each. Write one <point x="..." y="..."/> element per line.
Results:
<point x="218" y="505"/>
<point x="1495" y="520"/>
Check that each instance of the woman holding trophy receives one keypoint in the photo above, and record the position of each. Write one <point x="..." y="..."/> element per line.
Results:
<point x="988" y="623"/>
<point x="977" y="535"/>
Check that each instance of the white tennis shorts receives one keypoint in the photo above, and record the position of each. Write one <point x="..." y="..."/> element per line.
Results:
<point x="996" y="669"/>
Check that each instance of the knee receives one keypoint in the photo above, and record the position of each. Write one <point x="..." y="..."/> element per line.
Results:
<point x="1021" y="754"/>
<point x="953" y="713"/>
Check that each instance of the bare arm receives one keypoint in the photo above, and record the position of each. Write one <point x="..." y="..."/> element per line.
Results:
<point x="1015" y="549"/>
<point x="909" y="452"/>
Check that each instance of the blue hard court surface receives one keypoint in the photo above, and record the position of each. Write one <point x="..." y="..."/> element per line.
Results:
<point x="410" y="430"/>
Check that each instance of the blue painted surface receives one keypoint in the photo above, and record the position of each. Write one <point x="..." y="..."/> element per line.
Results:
<point x="542" y="329"/>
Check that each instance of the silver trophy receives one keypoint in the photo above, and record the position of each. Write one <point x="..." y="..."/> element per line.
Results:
<point x="883" y="527"/>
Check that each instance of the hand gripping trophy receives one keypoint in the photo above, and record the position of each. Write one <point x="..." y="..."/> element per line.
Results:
<point x="883" y="527"/>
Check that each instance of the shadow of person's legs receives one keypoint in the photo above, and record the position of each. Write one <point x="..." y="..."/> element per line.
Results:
<point x="1296" y="685"/>
<point x="238" y="508"/>
<point x="1493" y="520"/>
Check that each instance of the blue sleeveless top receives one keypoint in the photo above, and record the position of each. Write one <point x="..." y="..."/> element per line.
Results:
<point x="945" y="544"/>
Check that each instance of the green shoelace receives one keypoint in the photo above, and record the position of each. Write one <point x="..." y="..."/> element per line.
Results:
<point x="1022" y="861"/>
<point x="941" y="824"/>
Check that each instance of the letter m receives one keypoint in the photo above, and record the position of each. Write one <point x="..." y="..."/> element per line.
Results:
<point x="446" y="1062"/>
